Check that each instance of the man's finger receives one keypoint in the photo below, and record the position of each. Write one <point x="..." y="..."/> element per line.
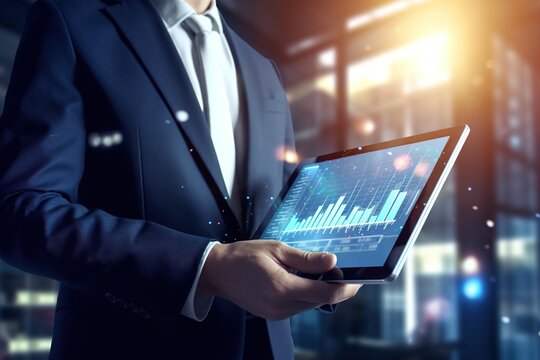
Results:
<point x="305" y="261"/>
<point x="319" y="292"/>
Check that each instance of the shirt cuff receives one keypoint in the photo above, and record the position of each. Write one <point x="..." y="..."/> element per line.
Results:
<point x="196" y="307"/>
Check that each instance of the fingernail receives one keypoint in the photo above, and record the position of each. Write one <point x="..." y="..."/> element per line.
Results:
<point x="328" y="256"/>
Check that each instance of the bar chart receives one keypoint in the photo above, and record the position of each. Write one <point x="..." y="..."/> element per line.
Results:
<point x="332" y="217"/>
<point x="355" y="206"/>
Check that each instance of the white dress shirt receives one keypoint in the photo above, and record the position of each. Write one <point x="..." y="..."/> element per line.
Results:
<point x="173" y="13"/>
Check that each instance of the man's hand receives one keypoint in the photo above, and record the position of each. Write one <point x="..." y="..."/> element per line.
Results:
<point x="254" y="275"/>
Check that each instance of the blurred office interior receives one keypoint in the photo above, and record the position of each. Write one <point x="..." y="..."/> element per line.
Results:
<point x="362" y="71"/>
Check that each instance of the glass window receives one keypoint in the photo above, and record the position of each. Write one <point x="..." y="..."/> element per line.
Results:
<point x="399" y="92"/>
<point x="514" y="106"/>
<point x="517" y="242"/>
<point x="519" y="287"/>
<point x="311" y="90"/>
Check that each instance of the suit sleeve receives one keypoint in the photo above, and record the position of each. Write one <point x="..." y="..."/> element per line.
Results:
<point x="42" y="228"/>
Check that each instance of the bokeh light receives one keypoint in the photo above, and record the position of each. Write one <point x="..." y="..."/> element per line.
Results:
<point x="470" y="265"/>
<point x="436" y="309"/>
<point x="421" y="169"/>
<point x="287" y="155"/>
<point x="473" y="288"/>
<point x="402" y="162"/>
<point x="365" y="126"/>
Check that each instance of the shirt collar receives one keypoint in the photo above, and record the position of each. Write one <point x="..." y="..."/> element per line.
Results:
<point x="174" y="12"/>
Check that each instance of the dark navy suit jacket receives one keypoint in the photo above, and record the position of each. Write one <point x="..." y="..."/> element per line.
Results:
<point x="123" y="226"/>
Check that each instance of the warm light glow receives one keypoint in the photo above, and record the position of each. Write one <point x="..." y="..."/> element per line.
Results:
<point x="327" y="84"/>
<point x="306" y="44"/>
<point x="327" y="58"/>
<point x="402" y="162"/>
<point x="421" y="169"/>
<point x="287" y="155"/>
<point x="324" y="83"/>
<point x="380" y="12"/>
<point x="365" y="126"/>
<point x="470" y="265"/>
<point x="423" y="64"/>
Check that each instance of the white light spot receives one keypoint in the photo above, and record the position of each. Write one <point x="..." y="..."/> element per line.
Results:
<point x="182" y="116"/>
<point x="327" y="58"/>
<point x="209" y="223"/>
<point x="505" y="320"/>
<point x="436" y="309"/>
<point x="469" y="188"/>
<point x="107" y="141"/>
<point x="288" y="155"/>
<point x="365" y="126"/>
<point x="94" y="140"/>
<point x="537" y="215"/>
<point x="168" y="122"/>
<point x="490" y="223"/>
<point x="475" y="207"/>
<point x="117" y="138"/>
<point x="389" y="153"/>
<point x="470" y="265"/>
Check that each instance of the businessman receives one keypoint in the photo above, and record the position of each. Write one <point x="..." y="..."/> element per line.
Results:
<point x="137" y="155"/>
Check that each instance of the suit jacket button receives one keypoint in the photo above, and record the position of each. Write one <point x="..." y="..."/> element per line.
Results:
<point x="133" y="308"/>
<point x="110" y="297"/>
<point x="144" y="313"/>
<point x="121" y="302"/>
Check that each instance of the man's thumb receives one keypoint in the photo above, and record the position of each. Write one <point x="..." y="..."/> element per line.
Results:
<point x="307" y="262"/>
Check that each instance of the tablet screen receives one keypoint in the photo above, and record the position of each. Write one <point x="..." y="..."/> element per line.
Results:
<point x="355" y="206"/>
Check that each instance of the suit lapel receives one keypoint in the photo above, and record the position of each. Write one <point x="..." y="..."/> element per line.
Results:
<point x="255" y="138"/>
<point x="145" y="32"/>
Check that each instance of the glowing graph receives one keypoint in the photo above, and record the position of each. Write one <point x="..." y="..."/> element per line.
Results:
<point x="332" y="217"/>
<point x="355" y="206"/>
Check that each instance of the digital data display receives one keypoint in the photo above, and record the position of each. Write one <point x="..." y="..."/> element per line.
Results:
<point x="355" y="206"/>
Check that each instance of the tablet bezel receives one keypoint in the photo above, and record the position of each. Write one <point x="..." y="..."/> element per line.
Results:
<point x="392" y="266"/>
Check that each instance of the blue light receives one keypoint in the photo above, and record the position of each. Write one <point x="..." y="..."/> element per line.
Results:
<point x="473" y="288"/>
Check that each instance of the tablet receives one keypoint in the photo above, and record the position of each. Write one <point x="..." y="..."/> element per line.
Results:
<point x="367" y="205"/>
